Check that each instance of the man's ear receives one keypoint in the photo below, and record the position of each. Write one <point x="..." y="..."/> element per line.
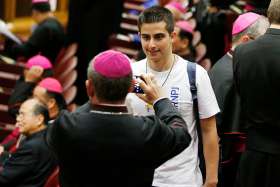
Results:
<point x="244" y="38"/>
<point x="40" y="119"/>
<point x="90" y="89"/>
<point x="173" y="35"/>
<point x="51" y="103"/>
<point x="185" y="43"/>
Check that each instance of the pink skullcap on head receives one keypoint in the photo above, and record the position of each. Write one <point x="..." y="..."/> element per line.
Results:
<point x="39" y="60"/>
<point x="177" y="6"/>
<point x="185" y="26"/>
<point x="39" y="1"/>
<point x="112" y="64"/>
<point x="51" y="84"/>
<point x="244" y="21"/>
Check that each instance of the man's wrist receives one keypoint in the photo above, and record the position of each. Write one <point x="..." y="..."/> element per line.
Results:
<point x="160" y="98"/>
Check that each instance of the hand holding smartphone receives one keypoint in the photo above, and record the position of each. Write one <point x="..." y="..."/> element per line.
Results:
<point x="136" y="86"/>
<point x="149" y="91"/>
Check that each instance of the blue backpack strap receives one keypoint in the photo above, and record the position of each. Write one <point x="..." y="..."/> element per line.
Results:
<point x="191" y="69"/>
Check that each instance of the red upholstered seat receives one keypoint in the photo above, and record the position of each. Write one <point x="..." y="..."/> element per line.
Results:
<point x="68" y="80"/>
<point x="53" y="180"/>
<point x="70" y="94"/>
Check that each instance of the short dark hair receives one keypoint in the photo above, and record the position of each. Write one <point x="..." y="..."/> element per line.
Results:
<point x="156" y="14"/>
<point x="60" y="101"/>
<point x="185" y="35"/>
<point x="109" y="89"/>
<point x="40" y="109"/>
<point x="42" y="7"/>
<point x="273" y="12"/>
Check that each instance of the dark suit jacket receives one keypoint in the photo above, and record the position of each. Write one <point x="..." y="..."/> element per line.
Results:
<point x="221" y="76"/>
<point x="257" y="75"/>
<point x="97" y="149"/>
<point x="48" y="38"/>
<point x="22" y="91"/>
<point x="30" y="165"/>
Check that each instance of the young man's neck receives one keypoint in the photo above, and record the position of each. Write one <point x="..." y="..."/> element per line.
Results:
<point x="162" y="65"/>
<point x="184" y="52"/>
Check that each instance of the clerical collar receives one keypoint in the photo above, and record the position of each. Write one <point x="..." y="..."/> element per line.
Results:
<point x="230" y="53"/>
<point x="109" y="109"/>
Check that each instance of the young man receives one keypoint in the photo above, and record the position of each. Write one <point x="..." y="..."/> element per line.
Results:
<point x="256" y="74"/>
<point x="48" y="37"/>
<point x="117" y="148"/>
<point x="156" y="29"/>
<point x="32" y="162"/>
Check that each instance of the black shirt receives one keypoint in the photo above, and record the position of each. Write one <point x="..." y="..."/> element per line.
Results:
<point x="257" y="75"/>
<point x="100" y="149"/>
<point x="30" y="165"/>
<point x="48" y="39"/>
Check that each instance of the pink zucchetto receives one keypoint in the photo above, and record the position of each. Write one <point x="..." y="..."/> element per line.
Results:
<point x="39" y="1"/>
<point x="112" y="64"/>
<point x="39" y="60"/>
<point x="177" y="5"/>
<point x="185" y="26"/>
<point x="244" y="21"/>
<point x="51" y="84"/>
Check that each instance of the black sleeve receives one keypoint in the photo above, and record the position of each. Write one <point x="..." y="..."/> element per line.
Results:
<point x="18" y="166"/>
<point x="166" y="133"/>
<point x="36" y="41"/>
<point x="235" y="59"/>
<point x="84" y="108"/>
<point x="51" y="133"/>
<point x="22" y="91"/>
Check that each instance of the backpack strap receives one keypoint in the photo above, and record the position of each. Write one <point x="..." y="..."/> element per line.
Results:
<point x="191" y="69"/>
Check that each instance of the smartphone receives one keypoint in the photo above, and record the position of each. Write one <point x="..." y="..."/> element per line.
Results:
<point x="136" y="86"/>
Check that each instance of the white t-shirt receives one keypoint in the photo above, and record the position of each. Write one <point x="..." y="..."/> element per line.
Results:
<point x="183" y="169"/>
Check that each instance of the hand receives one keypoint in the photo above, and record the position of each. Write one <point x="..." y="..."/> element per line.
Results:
<point x="1" y="149"/>
<point x="33" y="74"/>
<point x="152" y="91"/>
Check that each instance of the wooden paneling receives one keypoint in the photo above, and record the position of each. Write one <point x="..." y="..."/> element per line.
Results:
<point x="62" y="5"/>
<point x="18" y="14"/>
<point x="2" y="9"/>
<point x="10" y="8"/>
<point x="23" y="8"/>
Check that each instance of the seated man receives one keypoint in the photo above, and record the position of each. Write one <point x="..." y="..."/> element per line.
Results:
<point x="108" y="141"/>
<point x="36" y="68"/>
<point x="49" y="92"/>
<point x="48" y="37"/>
<point x="182" y="42"/>
<point x="32" y="162"/>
